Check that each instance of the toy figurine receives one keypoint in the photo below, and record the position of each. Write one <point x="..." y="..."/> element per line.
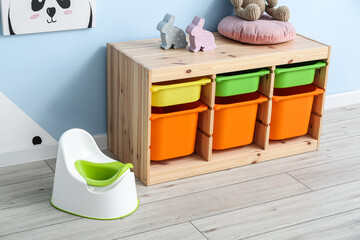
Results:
<point x="252" y="10"/>
<point x="171" y="36"/>
<point x="200" y="39"/>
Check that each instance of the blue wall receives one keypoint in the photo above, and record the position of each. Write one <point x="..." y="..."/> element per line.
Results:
<point x="335" y="23"/>
<point x="59" y="79"/>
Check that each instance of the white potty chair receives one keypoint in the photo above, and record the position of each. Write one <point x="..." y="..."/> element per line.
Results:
<point x="88" y="183"/>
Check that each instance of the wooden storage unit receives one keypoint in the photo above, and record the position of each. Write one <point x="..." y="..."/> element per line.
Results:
<point x="134" y="66"/>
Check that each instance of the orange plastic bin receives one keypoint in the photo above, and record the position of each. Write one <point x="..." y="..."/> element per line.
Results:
<point x="235" y="119"/>
<point x="173" y="130"/>
<point x="291" y="111"/>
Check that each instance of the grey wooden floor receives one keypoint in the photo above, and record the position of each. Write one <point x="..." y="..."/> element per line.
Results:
<point x="308" y="196"/>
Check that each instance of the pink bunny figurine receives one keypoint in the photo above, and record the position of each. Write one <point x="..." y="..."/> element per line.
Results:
<point x="200" y="39"/>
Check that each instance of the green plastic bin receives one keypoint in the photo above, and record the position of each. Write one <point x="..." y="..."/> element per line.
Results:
<point x="297" y="74"/>
<point x="230" y="84"/>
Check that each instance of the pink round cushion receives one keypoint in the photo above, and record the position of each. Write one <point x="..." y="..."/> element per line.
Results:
<point x="266" y="30"/>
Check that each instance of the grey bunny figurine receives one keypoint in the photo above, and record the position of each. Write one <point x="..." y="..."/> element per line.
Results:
<point x="171" y="36"/>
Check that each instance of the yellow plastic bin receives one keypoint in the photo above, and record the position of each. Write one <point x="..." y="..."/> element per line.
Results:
<point x="291" y="111"/>
<point x="174" y="93"/>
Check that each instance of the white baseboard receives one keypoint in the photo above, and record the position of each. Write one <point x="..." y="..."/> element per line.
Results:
<point x="342" y="99"/>
<point x="40" y="152"/>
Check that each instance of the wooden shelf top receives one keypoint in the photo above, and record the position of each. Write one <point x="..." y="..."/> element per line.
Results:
<point x="229" y="56"/>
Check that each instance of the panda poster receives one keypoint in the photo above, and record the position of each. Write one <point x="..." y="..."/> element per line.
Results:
<point x="35" y="16"/>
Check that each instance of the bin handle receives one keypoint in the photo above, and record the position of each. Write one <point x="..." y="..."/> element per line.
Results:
<point x="201" y="108"/>
<point x="316" y="92"/>
<point x="203" y="81"/>
<point x="261" y="99"/>
<point x="262" y="72"/>
<point x="294" y="69"/>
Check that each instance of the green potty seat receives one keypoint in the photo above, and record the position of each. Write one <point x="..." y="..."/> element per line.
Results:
<point x="297" y="74"/>
<point x="101" y="174"/>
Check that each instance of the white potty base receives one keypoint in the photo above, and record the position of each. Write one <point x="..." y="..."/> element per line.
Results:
<point x="94" y="217"/>
<point x="104" y="203"/>
<point x="72" y="194"/>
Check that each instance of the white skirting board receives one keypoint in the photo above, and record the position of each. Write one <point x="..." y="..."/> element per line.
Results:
<point x="48" y="151"/>
<point x="39" y="152"/>
<point x="342" y="99"/>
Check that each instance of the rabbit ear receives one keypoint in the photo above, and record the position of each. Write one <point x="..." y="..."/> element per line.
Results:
<point x="172" y="20"/>
<point x="169" y="18"/>
<point x="198" y="21"/>
<point x="201" y="22"/>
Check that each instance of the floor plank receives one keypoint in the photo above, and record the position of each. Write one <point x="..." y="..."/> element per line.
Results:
<point x="329" y="174"/>
<point x="51" y="163"/>
<point x="184" y="231"/>
<point x="328" y="153"/>
<point x="281" y="213"/>
<point x="247" y="201"/>
<point x="344" y="226"/>
<point x="30" y="216"/>
<point x="168" y="212"/>
<point x="338" y="130"/>
<point x="24" y="172"/>
<point x="342" y="113"/>
<point x="26" y="192"/>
